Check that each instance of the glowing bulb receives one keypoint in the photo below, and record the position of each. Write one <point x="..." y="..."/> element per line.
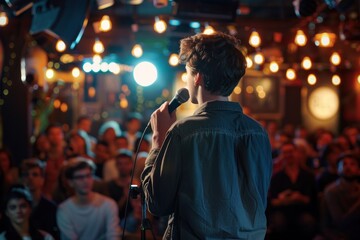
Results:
<point x="160" y="25"/>
<point x="75" y="72"/>
<point x="60" y="46"/>
<point x="114" y="68"/>
<point x="98" y="46"/>
<point x="336" y="80"/>
<point x="97" y="58"/>
<point x="358" y="78"/>
<point x="311" y="79"/>
<point x="335" y="58"/>
<point x="325" y="40"/>
<point x="300" y="38"/>
<point x="274" y="67"/>
<point x="209" y="30"/>
<point x="249" y="62"/>
<point x="254" y="39"/>
<point x="105" y="24"/>
<point x="87" y="67"/>
<point x="174" y="59"/>
<point x="3" y="19"/>
<point x="137" y="51"/>
<point x="259" y="58"/>
<point x="290" y="74"/>
<point x="306" y="63"/>
<point x="184" y="77"/>
<point x="50" y="73"/>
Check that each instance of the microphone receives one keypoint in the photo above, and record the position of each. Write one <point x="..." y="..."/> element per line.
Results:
<point x="182" y="95"/>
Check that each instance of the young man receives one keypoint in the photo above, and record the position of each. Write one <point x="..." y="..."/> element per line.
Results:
<point x="86" y="215"/>
<point x="43" y="215"/>
<point x="210" y="171"/>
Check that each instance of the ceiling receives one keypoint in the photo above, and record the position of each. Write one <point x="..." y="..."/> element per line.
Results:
<point x="134" y="23"/>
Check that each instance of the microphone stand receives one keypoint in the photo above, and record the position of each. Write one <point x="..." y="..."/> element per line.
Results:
<point x="134" y="191"/>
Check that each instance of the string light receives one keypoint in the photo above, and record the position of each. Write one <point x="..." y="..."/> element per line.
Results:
<point x="325" y="39"/>
<point x="159" y="25"/>
<point x="98" y="46"/>
<point x="137" y="51"/>
<point x="3" y="19"/>
<point x="105" y="24"/>
<point x="174" y="60"/>
<point x="249" y="62"/>
<point x="274" y="66"/>
<point x="75" y="72"/>
<point x="60" y="46"/>
<point x="255" y="39"/>
<point x="208" y="29"/>
<point x="311" y="79"/>
<point x="306" y="63"/>
<point x="290" y="74"/>
<point x="335" y="58"/>
<point x="300" y="38"/>
<point x="259" y="58"/>
<point x="336" y="80"/>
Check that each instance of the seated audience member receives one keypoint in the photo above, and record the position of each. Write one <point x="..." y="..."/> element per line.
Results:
<point x="102" y="155"/>
<point x="18" y="208"/>
<point x="87" y="214"/>
<point x="10" y="172"/>
<point x="292" y="199"/>
<point x="342" y="201"/>
<point x="108" y="132"/>
<point x="43" y="214"/>
<point x="329" y="173"/>
<point x="118" y="189"/>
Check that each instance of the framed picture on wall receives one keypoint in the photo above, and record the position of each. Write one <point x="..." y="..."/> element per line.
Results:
<point x="260" y="95"/>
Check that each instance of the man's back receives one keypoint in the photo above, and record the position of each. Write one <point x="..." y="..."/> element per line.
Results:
<point x="222" y="161"/>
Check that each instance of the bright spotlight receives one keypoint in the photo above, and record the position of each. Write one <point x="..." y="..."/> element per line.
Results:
<point x="145" y="74"/>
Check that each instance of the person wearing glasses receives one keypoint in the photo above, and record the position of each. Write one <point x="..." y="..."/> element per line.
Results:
<point x="86" y="214"/>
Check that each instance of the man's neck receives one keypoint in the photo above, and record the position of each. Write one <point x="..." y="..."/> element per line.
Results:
<point x="84" y="199"/>
<point x="22" y="229"/>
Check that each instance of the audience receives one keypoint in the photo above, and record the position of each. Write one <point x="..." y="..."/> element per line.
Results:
<point x="86" y="214"/>
<point x="19" y="226"/>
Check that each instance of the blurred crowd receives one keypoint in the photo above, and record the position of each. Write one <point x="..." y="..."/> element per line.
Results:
<point x="76" y="186"/>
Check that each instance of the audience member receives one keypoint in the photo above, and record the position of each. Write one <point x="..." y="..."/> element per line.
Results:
<point x="342" y="201"/>
<point x="292" y="194"/>
<point x="18" y="206"/>
<point x="102" y="155"/>
<point x="87" y="214"/>
<point x="132" y="133"/>
<point x="43" y="214"/>
<point x="8" y="168"/>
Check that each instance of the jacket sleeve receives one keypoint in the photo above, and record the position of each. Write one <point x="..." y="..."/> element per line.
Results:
<point x="161" y="176"/>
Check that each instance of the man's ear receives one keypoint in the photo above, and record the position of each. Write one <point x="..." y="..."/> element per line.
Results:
<point x="198" y="79"/>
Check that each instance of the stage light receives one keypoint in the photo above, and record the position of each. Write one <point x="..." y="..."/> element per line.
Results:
<point x="145" y="74"/>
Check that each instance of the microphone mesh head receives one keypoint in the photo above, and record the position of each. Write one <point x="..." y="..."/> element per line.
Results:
<point x="182" y="95"/>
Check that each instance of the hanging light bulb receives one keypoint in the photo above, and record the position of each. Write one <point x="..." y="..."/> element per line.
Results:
<point x="311" y="79"/>
<point x="3" y="19"/>
<point x="137" y="51"/>
<point x="306" y="63"/>
<point x="290" y="74"/>
<point x="335" y="58"/>
<point x="259" y="58"/>
<point x="174" y="59"/>
<point x="208" y="29"/>
<point x="255" y="39"/>
<point x="336" y="80"/>
<point x="98" y="46"/>
<point x="159" y="25"/>
<point x="105" y="24"/>
<point x="60" y="46"/>
<point x="75" y="72"/>
<point x="358" y="78"/>
<point x="50" y="73"/>
<point x="249" y="62"/>
<point x="325" y="39"/>
<point x="300" y="38"/>
<point x="274" y="66"/>
<point x="97" y="59"/>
